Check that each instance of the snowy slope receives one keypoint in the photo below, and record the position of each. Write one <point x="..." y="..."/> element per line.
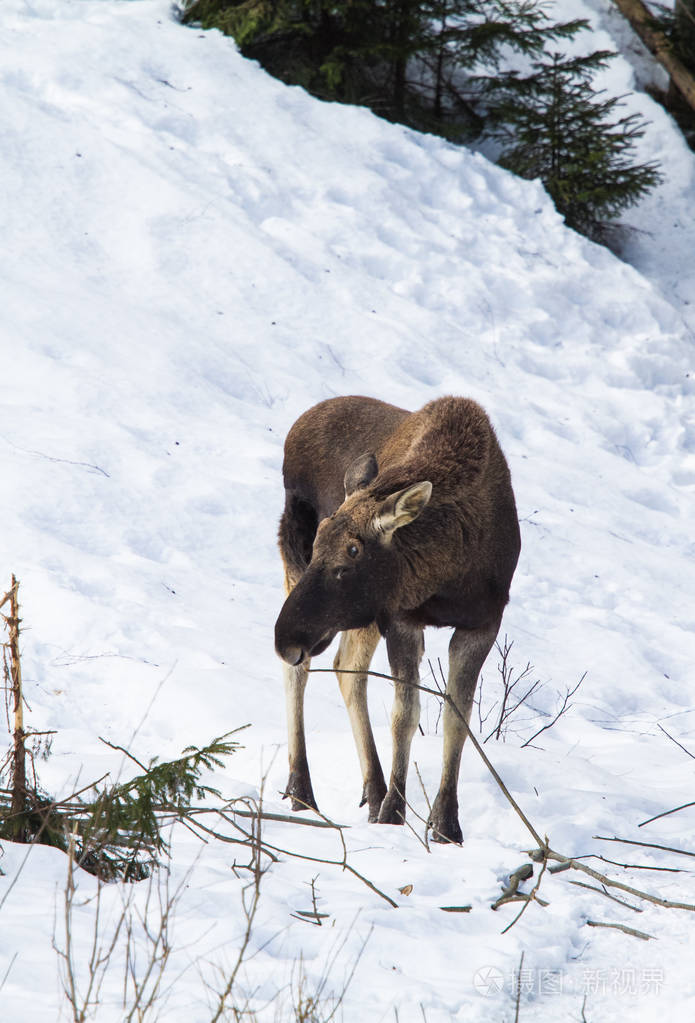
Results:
<point x="194" y="254"/>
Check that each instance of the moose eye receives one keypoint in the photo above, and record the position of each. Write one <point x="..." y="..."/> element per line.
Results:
<point x="353" y="550"/>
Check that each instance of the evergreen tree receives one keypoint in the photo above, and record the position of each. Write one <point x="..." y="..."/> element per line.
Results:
<point x="552" y="125"/>
<point x="439" y="65"/>
<point x="337" y="50"/>
<point x="468" y="36"/>
<point x="408" y="60"/>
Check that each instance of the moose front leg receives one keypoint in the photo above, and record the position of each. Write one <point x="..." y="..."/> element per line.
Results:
<point x="467" y="652"/>
<point x="298" y="786"/>
<point x="405" y="648"/>
<point x="354" y="656"/>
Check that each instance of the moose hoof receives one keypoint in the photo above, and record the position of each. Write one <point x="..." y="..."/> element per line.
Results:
<point x="373" y="795"/>
<point x="299" y="790"/>
<point x="392" y="809"/>
<point x="445" y="824"/>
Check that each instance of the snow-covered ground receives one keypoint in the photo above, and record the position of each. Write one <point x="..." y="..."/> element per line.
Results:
<point x="193" y="255"/>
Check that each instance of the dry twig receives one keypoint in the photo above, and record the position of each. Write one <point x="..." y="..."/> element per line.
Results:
<point x="679" y="744"/>
<point x="531" y="897"/>
<point x="645" y="845"/>
<point x="563" y="710"/>
<point x="509" y="684"/>
<point x="623" y="928"/>
<point x="518" y="989"/>
<point x="602" y="891"/>
<point x="666" y="813"/>
<point x="543" y="852"/>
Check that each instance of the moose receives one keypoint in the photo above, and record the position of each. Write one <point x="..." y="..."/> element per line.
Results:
<point x="393" y="521"/>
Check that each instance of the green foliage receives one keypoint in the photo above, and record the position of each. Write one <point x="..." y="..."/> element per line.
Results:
<point x="402" y="58"/>
<point x="245" y="20"/>
<point x="118" y="833"/>
<point x="122" y="831"/>
<point x="447" y="66"/>
<point x="552" y="125"/>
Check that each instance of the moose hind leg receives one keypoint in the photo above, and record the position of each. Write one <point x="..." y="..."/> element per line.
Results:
<point x="354" y="657"/>
<point x="467" y="652"/>
<point x="405" y="649"/>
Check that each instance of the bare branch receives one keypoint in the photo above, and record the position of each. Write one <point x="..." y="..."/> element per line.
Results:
<point x="632" y="866"/>
<point x="543" y="851"/>
<point x="646" y="845"/>
<point x="250" y="900"/>
<point x="602" y="891"/>
<point x="563" y="710"/>
<point x="122" y="749"/>
<point x="518" y="985"/>
<point x="623" y="928"/>
<point x="528" y="899"/>
<point x="666" y="813"/>
<point x="509" y="684"/>
<point x="680" y="744"/>
<point x="576" y="865"/>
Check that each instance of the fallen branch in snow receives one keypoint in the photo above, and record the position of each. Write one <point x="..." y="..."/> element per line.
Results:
<point x="666" y="813"/>
<point x="518" y="988"/>
<point x="64" y="461"/>
<point x="312" y="916"/>
<point x="569" y="863"/>
<point x="342" y="863"/>
<point x="645" y="845"/>
<point x="623" y="928"/>
<point x="275" y="851"/>
<point x="602" y="891"/>
<point x="633" y="866"/>
<point x="511" y="889"/>
<point x="677" y="743"/>
<point x="543" y="853"/>
<point x="284" y="818"/>
<point x="527" y="899"/>
<point x="683" y="806"/>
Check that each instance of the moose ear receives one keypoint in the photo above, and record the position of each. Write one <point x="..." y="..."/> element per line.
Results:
<point x="402" y="507"/>
<point x="360" y="473"/>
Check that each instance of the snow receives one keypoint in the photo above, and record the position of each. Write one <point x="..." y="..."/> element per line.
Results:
<point x="195" y="254"/>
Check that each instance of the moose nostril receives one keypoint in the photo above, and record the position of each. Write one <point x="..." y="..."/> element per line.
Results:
<point x="294" y="655"/>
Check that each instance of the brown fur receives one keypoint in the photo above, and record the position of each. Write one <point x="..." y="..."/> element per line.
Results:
<point x="429" y="536"/>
